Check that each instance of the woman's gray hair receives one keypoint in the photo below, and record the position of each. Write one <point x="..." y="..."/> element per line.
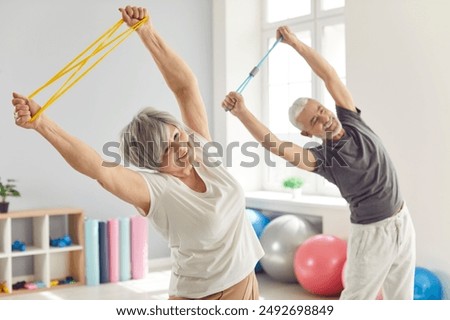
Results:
<point x="144" y="140"/>
<point x="296" y="108"/>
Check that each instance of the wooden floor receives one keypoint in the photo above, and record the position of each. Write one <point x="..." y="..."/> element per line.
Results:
<point x="154" y="287"/>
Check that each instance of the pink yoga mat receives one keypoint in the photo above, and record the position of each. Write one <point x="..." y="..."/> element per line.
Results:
<point x="139" y="247"/>
<point x="113" y="232"/>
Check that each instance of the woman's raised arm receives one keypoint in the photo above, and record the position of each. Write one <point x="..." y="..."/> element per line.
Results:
<point x="178" y="75"/>
<point x="124" y="183"/>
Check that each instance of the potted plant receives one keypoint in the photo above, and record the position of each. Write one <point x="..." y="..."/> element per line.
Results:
<point x="295" y="184"/>
<point x="7" y="190"/>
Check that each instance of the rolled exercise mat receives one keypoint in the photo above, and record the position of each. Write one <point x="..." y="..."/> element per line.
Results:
<point x="91" y="252"/>
<point x="113" y="235"/>
<point x="139" y="247"/>
<point x="104" y="252"/>
<point x="124" y="249"/>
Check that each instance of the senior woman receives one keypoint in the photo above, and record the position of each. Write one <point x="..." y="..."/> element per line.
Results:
<point x="199" y="209"/>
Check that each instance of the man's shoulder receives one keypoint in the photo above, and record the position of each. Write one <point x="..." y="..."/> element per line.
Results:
<point x="344" y="112"/>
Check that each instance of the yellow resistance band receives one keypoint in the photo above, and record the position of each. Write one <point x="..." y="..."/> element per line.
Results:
<point x="79" y="62"/>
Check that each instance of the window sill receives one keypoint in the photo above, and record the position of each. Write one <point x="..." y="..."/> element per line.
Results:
<point x="333" y="212"/>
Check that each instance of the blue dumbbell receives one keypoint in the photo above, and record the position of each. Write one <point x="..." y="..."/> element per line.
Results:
<point x="61" y="242"/>
<point x="18" y="246"/>
<point x="67" y="240"/>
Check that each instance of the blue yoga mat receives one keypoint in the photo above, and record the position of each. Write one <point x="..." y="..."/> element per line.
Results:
<point x="91" y="252"/>
<point x="104" y="252"/>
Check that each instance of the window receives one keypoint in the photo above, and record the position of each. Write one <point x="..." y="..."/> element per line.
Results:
<point x="319" y="24"/>
<point x="286" y="9"/>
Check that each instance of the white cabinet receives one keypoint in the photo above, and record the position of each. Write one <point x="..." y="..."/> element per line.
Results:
<point x="41" y="262"/>
<point x="333" y="213"/>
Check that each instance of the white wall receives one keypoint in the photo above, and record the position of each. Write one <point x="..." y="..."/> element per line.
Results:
<point x="237" y="49"/>
<point x="37" y="38"/>
<point x="398" y="71"/>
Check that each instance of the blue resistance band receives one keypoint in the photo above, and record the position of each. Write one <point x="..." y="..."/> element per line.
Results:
<point x="256" y="69"/>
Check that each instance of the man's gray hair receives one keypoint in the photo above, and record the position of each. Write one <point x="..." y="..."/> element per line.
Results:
<point x="296" y="108"/>
<point x="144" y="140"/>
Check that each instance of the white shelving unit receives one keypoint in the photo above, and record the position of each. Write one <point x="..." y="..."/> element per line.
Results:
<point x="40" y="261"/>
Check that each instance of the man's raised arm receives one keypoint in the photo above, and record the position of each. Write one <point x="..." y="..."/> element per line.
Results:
<point x="321" y="68"/>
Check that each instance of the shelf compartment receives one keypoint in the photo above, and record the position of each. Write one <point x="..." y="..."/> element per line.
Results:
<point x="33" y="231"/>
<point x="5" y="237"/>
<point x="5" y="271"/>
<point x="67" y="224"/>
<point x="67" y="264"/>
<point x="30" y="269"/>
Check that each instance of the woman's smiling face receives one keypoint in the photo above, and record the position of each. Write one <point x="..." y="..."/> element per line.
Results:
<point x="178" y="153"/>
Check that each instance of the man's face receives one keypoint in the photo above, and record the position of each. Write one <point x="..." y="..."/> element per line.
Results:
<point x="318" y="121"/>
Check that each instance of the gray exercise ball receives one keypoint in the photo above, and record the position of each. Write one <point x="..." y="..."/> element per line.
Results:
<point x="280" y="239"/>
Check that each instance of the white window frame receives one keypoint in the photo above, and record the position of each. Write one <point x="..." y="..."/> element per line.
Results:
<point x="314" y="22"/>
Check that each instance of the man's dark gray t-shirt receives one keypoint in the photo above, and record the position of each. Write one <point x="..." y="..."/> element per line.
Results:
<point x="359" y="165"/>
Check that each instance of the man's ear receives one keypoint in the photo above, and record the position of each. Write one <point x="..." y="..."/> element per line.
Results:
<point x="306" y="134"/>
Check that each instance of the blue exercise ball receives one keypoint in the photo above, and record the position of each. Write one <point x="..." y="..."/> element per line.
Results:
<point x="427" y="285"/>
<point x="258" y="220"/>
<point x="258" y="267"/>
<point x="259" y="223"/>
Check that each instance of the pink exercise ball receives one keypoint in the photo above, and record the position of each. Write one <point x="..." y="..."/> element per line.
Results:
<point x="380" y="293"/>
<point x="318" y="264"/>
